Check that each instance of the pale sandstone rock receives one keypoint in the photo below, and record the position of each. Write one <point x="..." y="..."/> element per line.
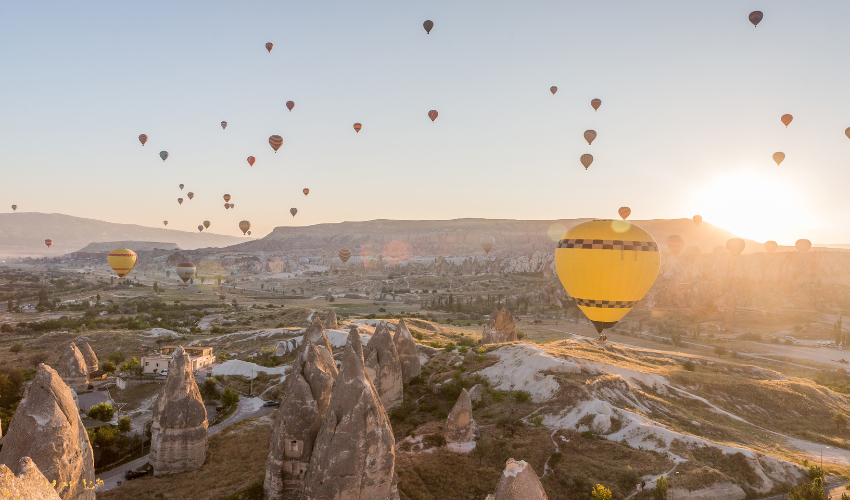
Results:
<point x="408" y="355"/>
<point x="316" y="334"/>
<point x="330" y="321"/>
<point x="90" y="357"/>
<point x="476" y="394"/>
<point x="460" y="427"/>
<point x="500" y="329"/>
<point x="384" y="367"/>
<point x="72" y="368"/>
<point x="47" y="428"/>
<point x="308" y="394"/>
<point x="26" y="483"/>
<point x="519" y="482"/>
<point x="179" y="429"/>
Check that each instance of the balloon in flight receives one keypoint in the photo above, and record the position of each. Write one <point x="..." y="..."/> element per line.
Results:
<point x="249" y="233"/>
<point x="163" y="155"/>
<point x="586" y="160"/>
<point x="293" y="211"/>
<point x="244" y="226"/>
<point x="428" y="25"/>
<point x="251" y="160"/>
<point x="200" y="227"/>
<point x="290" y="105"/>
<point x="697" y="219"/>
<point x="735" y="246"/>
<point x="607" y="280"/>
<point x="357" y="127"/>
<point x="786" y="119"/>
<point x="344" y="255"/>
<point x="803" y="245"/>
<point x="226" y="197"/>
<point x="487" y="243"/>
<point x="306" y="191"/>
<point x="755" y="17"/>
<point x="190" y="195"/>
<point x="122" y="261"/>
<point x="553" y="89"/>
<point x="180" y="201"/>
<point x="269" y="46"/>
<point x="186" y="271"/>
<point x="226" y="206"/>
<point x="589" y="136"/>
<point x="778" y="157"/>
<point x="276" y="142"/>
<point x="596" y="103"/>
<point x="433" y="114"/>
<point x="48" y="242"/>
<point x="223" y="125"/>
<point x="181" y="187"/>
<point x="14" y="207"/>
<point x="165" y="223"/>
<point x="207" y="224"/>
<point x="847" y="132"/>
<point x="143" y="139"/>
<point x="770" y="246"/>
<point x="675" y="243"/>
<point x="624" y="212"/>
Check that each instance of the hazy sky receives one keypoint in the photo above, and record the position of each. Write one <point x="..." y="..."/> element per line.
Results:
<point x="691" y="100"/>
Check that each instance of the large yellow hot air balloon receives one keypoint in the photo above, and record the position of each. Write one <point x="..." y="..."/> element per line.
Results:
<point x="344" y="255"/>
<point x="244" y="226"/>
<point x="624" y="212"/>
<point x="122" y="261"/>
<point x="770" y="246"/>
<point x="778" y="157"/>
<point x="487" y="243"/>
<point x="607" y="267"/>
<point x="735" y="246"/>
<point x="586" y="160"/>
<point x="803" y="245"/>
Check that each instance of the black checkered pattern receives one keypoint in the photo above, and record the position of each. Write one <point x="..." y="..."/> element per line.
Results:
<point x="638" y="246"/>
<point x="606" y="304"/>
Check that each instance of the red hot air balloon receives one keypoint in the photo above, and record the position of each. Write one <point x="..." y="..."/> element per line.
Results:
<point x="755" y="17"/>
<point x="290" y="105"/>
<point x="48" y="242"/>
<point x="786" y="119"/>
<point x="428" y="25"/>
<point x="675" y="243"/>
<point x="624" y="212"/>
<point x="143" y="139"/>
<point x="251" y="160"/>
<point x="357" y="127"/>
<point x="306" y="191"/>
<point x="596" y="103"/>
<point x="269" y="46"/>
<point x="553" y="89"/>
<point x="433" y="114"/>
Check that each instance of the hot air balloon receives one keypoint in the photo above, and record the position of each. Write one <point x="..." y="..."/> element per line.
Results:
<point x="269" y="46"/>
<point x="304" y="260"/>
<point x="735" y="246"/>
<point x="596" y="103"/>
<point x="357" y="127"/>
<point x="847" y="132"/>
<point x="251" y="160"/>
<point x="207" y="224"/>
<point x="226" y="197"/>
<point x="143" y="139"/>
<point x="180" y="200"/>
<point x="244" y="226"/>
<point x="226" y="206"/>
<point x="344" y="255"/>
<point x="163" y="155"/>
<point x="487" y="243"/>
<point x="624" y="212"/>
<point x="249" y="233"/>
<point x="223" y="125"/>
<point x="553" y="89"/>
<point x="122" y="261"/>
<point x="290" y="105"/>
<point x="190" y="195"/>
<point x="433" y="114"/>
<point x="181" y="187"/>
<point x="48" y="242"/>
<point x="276" y="142"/>
<point x="803" y="245"/>
<point x="14" y="207"/>
<point x="778" y="157"/>
<point x="306" y="191"/>
<point x="200" y="227"/>
<point x="165" y="223"/>
<point x="675" y="243"/>
<point x="607" y="268"/>
<point x="293" y="211"/>
<point x="755" y="17"/>
<point x="186" y="271"/>
<point x="586" y="160"/>
<point x="786" y="119"/>
<point x="697" y="219"/>
<point x="589" y="136"/>
<point x="770" y="246"/>
<point x="428" y="25"/>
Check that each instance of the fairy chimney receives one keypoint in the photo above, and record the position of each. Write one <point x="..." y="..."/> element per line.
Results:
<point x="518" y="482"/>
<point x="316" y="334"/>
<point x="90" y="357"/>
<point x="384" y="367"/>
<point x="330" y="321"/>
<point x="72" y="368"/>
<point x="46" y="427"/>
<point x="308" y="394"/>
<point x="408" y="355"/>
<point x="460" y="427"/>
<point x="26" y="483"/>
<point x="354" y="454"/>
<point x="500" y="329"/>
<point x="179" y="429"/>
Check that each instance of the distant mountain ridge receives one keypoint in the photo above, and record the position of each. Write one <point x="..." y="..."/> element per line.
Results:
<point x="137" y="246"/>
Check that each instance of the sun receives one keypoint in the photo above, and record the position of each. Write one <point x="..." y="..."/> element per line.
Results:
<point x="754" y="204"/>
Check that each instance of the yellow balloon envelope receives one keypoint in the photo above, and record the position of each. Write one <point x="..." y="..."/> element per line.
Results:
<point x="122" y="261"/>
<point x="607" y="267"/>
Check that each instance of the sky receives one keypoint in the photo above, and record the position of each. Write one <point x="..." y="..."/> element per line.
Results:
<point x="692" y="96"/>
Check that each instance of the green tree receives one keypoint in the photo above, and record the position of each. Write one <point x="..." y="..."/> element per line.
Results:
<point x="129" y="365"/>
<point x="116" y="357"/>
<point x="17" y="347"/>
<point x="720" y="350"/>
<point x="101" y="411"/>
<point x="98" y="298"/>
<point x="809" y="491"/>
<point x="660" y="492"/>
<point x="209" y="389"/>
<point x="600" y="493"/>
<point x="155" y="287"/>
<point x="103" y="436"/>
<point x="124" y="425"/>
<point x="839" y="420"/>
<point x="229" y="397"/>
<point x="108" y="366"/>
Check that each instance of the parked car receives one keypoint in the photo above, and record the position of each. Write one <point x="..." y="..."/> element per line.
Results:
<point x="134" y="474"/>
<point x="269" y="404"/>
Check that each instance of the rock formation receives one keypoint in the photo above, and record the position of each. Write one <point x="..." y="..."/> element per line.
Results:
<point x="47" y="428"/>
<point x="476" y="394"/>
<point x="330" y="321"/>
<point x="308" y="394"/>
<point x="354" y="454"/>
<point x="500" y="329"/>
<point x="90" y="357"/>
<point x="408" y="355"/>
<point x="72" y="368"/>
<point x="179" y="429"/>
<point x="518" y="482"/>
<point x="460" y="427"/>
<point x="384" y="367"/>
<point x="316" y="334"/>
<point x="26" y="483"/>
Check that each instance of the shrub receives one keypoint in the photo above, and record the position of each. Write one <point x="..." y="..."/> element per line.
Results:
<point x="124" y="425"/>
<point x="536" y="420"/>
<point x="587" y="435"/>
<point x="17" y="347"/>
<point x="522" y="396"/>
<point x="101" y="411"/>
<point x="660" y="492"/>
<point x="689" y="365"/>
<point x="463" y="349"/>
<point x="467" y="341"/>
<point x="434" y="440"/>
<point x="209" y="389"/>
<point x="520" y="334"/>
<point x="720" y="350"/>
<point x="418" y="335"/>
<point x="482" y="350"/>
<point x="229" y="397"/>
<point x="450" y="347"/>
<point x="108" y="367"/>
<point x="600" y="493"/>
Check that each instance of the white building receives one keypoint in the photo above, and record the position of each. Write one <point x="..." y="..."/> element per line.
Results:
<point x="199" y="357"/>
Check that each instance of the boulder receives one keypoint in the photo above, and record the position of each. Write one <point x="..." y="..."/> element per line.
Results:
<point x="46" y="427"/>
<point x="26" y="483"/>
<point x="384" y="367"/>
<point x="330" y="321"/>
<point x="476" y="394"/>
<point x="179" y="429"/>
<point x="460" y="427"/>
<point x="354" y="454"/>
<point x="518" y="482"/>
<point x="72" y="368"/>
<point x="408" y="355"/>
<point x="316" y="334"/>
<point x="305" y="402"/>
<point x="500" y="329"/>
<point x="90" y="357"/>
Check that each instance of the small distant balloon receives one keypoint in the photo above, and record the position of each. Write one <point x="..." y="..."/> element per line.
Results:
<point x="226" y="206"/>
<point x="770" y="246"/>
<point x="251" y="160"/>
<point x="755" y="17"/>
<point x="269" y="46"/>
<point x="143" y="139"/>
<point x="553" y="89"/>
<point x="207" y="224"/>
<point x="586" y="160"/>
<point x="624" y="212"/>
<point x="697" y="219"/>
<point x="357" y="127"/>
<point x="428" y="25"/>
<point x="305" y="191"/>
<point x="786" y="119"/>
<point x="226" y="197"/>
<point x="735" y="246"/>
<point x="675" y="243"/>
<point x="847" y="132"/>
<point x="276" y="142"/>
<point x="778" y="157"/>
<point x="803" y="245"/>
<point x="14" y="207"/>
<point x="589" y="136"/>
<point x="244" y="226"/>
<point x="223" y="125"/>
<point x="433" y="114"/>
<point x="190" y="195"/>
<point x="48" y="242"/>
<point x="344" y="255"/>
<point x="181" y="187"/>
<point x="293" y="211"/>
<point x="249" y="233"/>
<point x="487" y="243"/>
<point x="163" y="155"/>
<point x="596" y="103"/>
<point x="290" y="105"/>
<point x="180" y="200"/>
<point x="200" y="227"/>
<point x="165" y="223"/>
